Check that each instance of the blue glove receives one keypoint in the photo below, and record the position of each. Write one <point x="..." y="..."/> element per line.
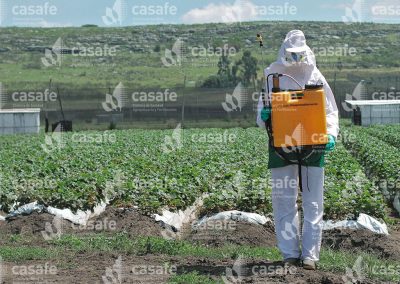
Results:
<point x="266" y="113"/>
<point x="331" y="143"/>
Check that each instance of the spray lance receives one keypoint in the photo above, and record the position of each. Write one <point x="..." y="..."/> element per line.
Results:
<point x="259" y="39"/>
<point x="275" y="86"/>
<point x="268" y="127"/>
<point x="261" y="43"/>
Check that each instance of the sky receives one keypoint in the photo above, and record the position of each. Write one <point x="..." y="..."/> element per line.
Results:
<point x="61" y="13"/>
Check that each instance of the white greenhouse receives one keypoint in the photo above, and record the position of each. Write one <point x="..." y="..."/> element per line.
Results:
<point x="371" y="112"/>
<point x="14" y="121"/>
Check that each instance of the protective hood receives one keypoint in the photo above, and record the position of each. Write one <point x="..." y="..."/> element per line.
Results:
<point x="305" y="72"/>
<point x="295" y="42"/>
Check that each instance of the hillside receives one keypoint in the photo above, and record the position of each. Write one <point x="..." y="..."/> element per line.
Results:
<point x="96" y="60"/>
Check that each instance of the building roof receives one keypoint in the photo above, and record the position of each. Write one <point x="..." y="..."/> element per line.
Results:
<point x="372" y="102"/>
<point x="20" y="110"/>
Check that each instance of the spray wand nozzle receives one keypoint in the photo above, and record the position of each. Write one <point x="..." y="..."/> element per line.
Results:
<point x="260" y="40"/>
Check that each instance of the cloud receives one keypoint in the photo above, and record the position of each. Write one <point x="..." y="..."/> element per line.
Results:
<point x="241" y="10"/>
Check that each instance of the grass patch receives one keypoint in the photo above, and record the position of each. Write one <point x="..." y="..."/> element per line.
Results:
<point x="155" y="245"/>
<point x="331" y="260"/>
<point x="369" y="265"/>
<point x="193" y="278"/>
<point x="20" y="254"/>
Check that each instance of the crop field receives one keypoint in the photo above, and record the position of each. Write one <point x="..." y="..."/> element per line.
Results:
<point x="151" y="170"/>
<point x="152" y="176"/>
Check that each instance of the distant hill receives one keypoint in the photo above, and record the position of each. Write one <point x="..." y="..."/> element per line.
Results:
<point x="87" y="62"/>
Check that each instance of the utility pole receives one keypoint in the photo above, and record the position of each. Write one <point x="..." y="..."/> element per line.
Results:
<point x="183" y="102"/>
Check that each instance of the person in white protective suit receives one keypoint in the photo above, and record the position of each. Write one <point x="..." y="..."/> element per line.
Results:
<point x="297" y="60"/>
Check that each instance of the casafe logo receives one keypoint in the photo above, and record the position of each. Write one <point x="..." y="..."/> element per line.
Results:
<point x="112" y="186"/>
<point x="289" y="232"/>
<point x="356" y="13"/>
<point x="236" y="13"/>
<point x="354" y="274"/>
<point x="235" y="274"/>
<point x="117" y="14"/>
<point x="117" y="100"/>
<point x="53" y="55"/>
<point x="34" y="10"/>
<point x="54" y="141"/>
<point x="359" y="93"/>
<point x="235" y="101"/>
<point x="174" y="56"/>
<point x="355" y="184"/>
<point x="53" y="230"/>
<point x="175" y="141"/>
<point x="293" y="141"/>
<point x="113" y="274"/>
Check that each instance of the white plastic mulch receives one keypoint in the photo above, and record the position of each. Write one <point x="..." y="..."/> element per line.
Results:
<point x="177" y="219"/>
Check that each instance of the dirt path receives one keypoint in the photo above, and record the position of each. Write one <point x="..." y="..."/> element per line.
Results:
<point x="100" y="268"/>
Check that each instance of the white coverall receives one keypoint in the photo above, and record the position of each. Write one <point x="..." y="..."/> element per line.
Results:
<point x="285" y="179"/>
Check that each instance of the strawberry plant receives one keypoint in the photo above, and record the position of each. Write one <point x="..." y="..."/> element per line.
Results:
<point x="380" y="159"/>
<point x="137" y="169"/>
<point x="388" y="133"/>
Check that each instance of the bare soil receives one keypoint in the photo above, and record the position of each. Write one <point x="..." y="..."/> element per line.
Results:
<point x="364" y="241"/>
<point x="109" y="267"/>
<point x="219" y="233"/>
<point x="123" y="268"/>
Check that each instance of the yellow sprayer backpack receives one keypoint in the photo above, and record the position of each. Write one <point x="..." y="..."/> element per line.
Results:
<point x="298" y="122"/>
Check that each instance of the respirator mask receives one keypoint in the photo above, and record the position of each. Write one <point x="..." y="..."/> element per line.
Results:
<point x="295" y="58"/>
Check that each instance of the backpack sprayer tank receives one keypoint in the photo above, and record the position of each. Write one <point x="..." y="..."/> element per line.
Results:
<point x="298" y="122"/>
<point x="298" y="117"/>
